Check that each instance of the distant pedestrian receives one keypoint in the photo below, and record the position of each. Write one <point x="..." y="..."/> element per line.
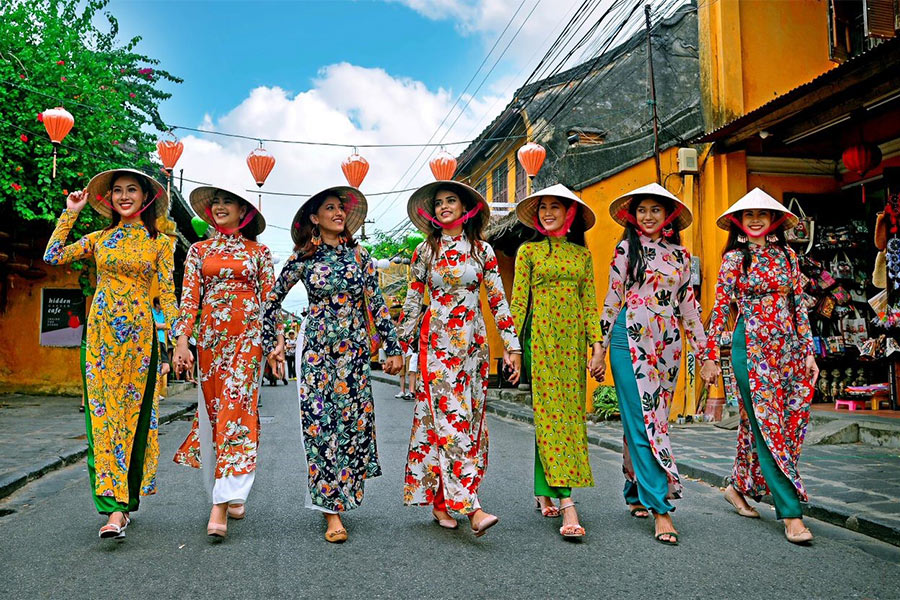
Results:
<point x="337" y="411"/>
<point x="122" y="354"/>
<point x="290" y="347"/>
<point x="772" y="354"/>
<point x="649" y="301"/>
<point x="554" y="292"/>
<point x="448" y="449"/>
<point x="227" y="278"/>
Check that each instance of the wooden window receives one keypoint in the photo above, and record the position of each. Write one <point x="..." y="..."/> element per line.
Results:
<point x="481" y="188"/>
<point x="879" y="18"/>
<point x="521" y="182"/>
<point x="500" y="185"/>
<point x="856" y="26"/>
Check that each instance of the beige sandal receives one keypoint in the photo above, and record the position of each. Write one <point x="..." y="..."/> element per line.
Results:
<point x="338" y="536"/>
<point x="750" y="513"/>
<point x="571" y="530"/>
<point x="236" y="511"/>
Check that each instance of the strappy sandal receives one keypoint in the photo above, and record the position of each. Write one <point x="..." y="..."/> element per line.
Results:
<point x="750" y="513"/>
<point x="114" y="531"/>
<point x="640" y="512"/>
<point x="338" y="536"/>
<point x="669" y="542"/>
<point x="571" y="531"/>
<point x="550" y="512"/>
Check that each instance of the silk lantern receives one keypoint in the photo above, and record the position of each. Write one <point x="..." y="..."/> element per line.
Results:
<point x="169" y="153"/>
<point x="861" y="159"/>
<point x="58" y="122"/>
<point x="532" y="156"/>
<point x="261" y="163"/>
<point x="443" y="166"/>
<point x="355" y="168"/>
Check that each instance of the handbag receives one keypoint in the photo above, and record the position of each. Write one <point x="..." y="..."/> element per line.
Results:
<point x="841" y="266"/>
<point x="841" y="295"/>
<point x="872" y="348"/>
<point x="853" y="328"/>
<point x="879" y="273"/>
<point x="803" y="232"/>
<point x="825" y="307"/>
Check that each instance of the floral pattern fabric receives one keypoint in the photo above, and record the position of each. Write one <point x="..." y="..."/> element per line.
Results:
<point x="337" y="411"/>
<point x="778" y="341"/>
<point x="655" y="312"/>
<point x="121" y="337"/>
<point x="555" y="280"/>
<point x="227" y="279"/>
<point x="449" y="440"/>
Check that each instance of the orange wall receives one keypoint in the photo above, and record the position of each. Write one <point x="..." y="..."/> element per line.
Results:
<point x="507" y="266"/>
<point x="25" y="365"/>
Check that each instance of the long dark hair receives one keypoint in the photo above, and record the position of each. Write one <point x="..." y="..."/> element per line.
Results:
<point x="575" y="234"/>
<point x="249" y="230"/>
<point x="734" y="243"/>
<point x="148" y="217"/>
<point x="303" y="238"/>
<point x="473" y="228"/>
<point x="636" y="263"/>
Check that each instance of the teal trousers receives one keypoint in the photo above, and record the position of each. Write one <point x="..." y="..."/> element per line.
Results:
<point x="784" y="496"/>
<point x="651" y="486"/>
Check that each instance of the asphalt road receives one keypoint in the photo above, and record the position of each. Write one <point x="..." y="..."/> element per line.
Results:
<point x="49" y="546"/>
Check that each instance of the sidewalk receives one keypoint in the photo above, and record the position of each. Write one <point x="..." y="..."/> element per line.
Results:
<point x="856" y="486"/>
<point x="39" y="434"/>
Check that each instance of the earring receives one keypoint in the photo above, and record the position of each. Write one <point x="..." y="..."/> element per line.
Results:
<point x="342" y="239"/>
<point x="742" y="238"/>
<point x="668" y="231"/>
<point x="771" y="238"/>
<point x="316" y="239"/>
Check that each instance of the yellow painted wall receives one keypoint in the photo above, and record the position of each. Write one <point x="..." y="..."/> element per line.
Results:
<point x="25" y="365"/>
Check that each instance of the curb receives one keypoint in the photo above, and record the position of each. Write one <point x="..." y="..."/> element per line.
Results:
<point x="817" y="509"/>
<point x="11" y="483"/>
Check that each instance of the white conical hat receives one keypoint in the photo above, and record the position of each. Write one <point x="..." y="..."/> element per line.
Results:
<point x="682" y="221"/>
<point x="758" y="200"/>
<point x="527" y="207"/>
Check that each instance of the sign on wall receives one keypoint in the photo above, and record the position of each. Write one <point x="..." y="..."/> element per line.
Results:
<point x="62" y="317"/>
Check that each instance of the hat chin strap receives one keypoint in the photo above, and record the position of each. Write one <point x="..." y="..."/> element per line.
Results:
<point x="453" y="224"/>
<point x="113" y="208"/>
<point x="627" y="216"/>
<point x="564" y="230"/>
<point x="247" y="218"/>
<point x="770" y="229"/>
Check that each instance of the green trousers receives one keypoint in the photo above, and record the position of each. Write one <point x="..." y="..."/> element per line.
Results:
<point x="784" y="496"/>
<point x="106" y="504"/>
<point x="541" y="487"/>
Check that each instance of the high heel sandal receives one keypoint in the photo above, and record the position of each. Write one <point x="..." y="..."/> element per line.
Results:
<point x="572" y="530"/>
<point x="547" y="511"/>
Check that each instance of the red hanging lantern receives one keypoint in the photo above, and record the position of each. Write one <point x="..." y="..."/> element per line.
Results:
<point x="58" y="122"/>
<point x="261" y="163"/>
<point x="169" y="153"/>
<point x="861" y="159"/>
<point x="532" y="156"/>
<point x="443" y="166"/>
<point x="355" y="168"/>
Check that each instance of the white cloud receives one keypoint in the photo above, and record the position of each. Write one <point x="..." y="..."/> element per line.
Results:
<point x="346" y="104"/>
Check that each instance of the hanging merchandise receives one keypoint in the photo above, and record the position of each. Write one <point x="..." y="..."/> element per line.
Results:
<point x="879" y="273"/>
<point x="853" y="326"/>
<point x="58" y="122"/>
<point x="532" y="156"/>
<point x="872" y="348"/>
<point x="443" y="166"/>
<point x="804" y="231"/>
<point x="842" y="266"/>
<point x="892" y="259"/>
<point x="355" y="168"/>
<point x="261" y="163"/>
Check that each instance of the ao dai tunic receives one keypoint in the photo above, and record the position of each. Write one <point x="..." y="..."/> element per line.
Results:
<point x="778" y="341"/>
<point x="555" y="280"/>
<point x="449" y="440"/>
<point x="228" y="279"/>
<point x="655" y="312"/>
<point x="337" y="412"/>
<point x="121" y="337"/>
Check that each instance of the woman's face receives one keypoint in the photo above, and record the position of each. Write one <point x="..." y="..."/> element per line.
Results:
<point x="331" y="216"/>
<point x="551" y="213"/>
<point x="650" y="215"/>
<point x="227" y="210"/>
<point x="127" y="196"/>
<point x="756" y="222"/>
<point x="448" y="206"/>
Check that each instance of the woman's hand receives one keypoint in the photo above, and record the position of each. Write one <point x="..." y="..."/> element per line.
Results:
<point x="184" y="360"/>
<point x="812" y="369"/>
<point x="393" y="364"/>
<point x="710" y="372"/>
<point x="597" y="364"/>
<point x="76" y="200"/>
<point x="276" y="358"/>
<point x="513" y="361"/>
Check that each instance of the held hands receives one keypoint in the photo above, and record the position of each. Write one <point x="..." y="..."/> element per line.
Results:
<point x="710" y="372"/>
<point x="76" y="200"/>
<point x="392" y="365"/>
<point x="184" y="360"/>
<point x="276" y="359"/>
<point x="513" y="362"/>
<point x="812" y="369"/>
<point x="597" y="364"/>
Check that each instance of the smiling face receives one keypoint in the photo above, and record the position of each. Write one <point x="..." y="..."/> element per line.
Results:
<point x="448" y="206"/>
<point x="756" y="222"/>
<point x="127" y="196"/>
<point x="227" y="210"/>
<point x="551" y="213"/>
<point x="650" y="215"/>
<point x="330" y="217"/>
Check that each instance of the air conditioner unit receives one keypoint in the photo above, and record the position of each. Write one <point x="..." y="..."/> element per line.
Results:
<point x="687" y="161"/>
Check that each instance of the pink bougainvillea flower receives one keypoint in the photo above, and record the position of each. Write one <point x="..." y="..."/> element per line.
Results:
<point x="60" y="62"/>
<point x="23" y="137"/>
<point x="62" y="79"/>
<point x="65" y="192"/>
<point x="21" y="76"/>
<point x="19" y="168"/>
<point x="16" y="186"/>
<point x="121" y="70"/>
<point x="81" y="174"/>
<point x="145" y="71"/>
<point x="115" y="142"/>
<point x="132" y="95"/>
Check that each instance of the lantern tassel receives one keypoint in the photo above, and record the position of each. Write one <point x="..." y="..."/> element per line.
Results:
<point x="863" y="186"/>
<point x="54" y="160"/>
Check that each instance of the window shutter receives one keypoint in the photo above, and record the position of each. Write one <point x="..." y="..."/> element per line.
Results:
<point x="878" y="18"/>
<point x="838" y="34"/>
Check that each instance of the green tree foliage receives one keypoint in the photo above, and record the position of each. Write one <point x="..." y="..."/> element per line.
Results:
<point x="388" y="247"/>
<point x="52" y="54"/>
